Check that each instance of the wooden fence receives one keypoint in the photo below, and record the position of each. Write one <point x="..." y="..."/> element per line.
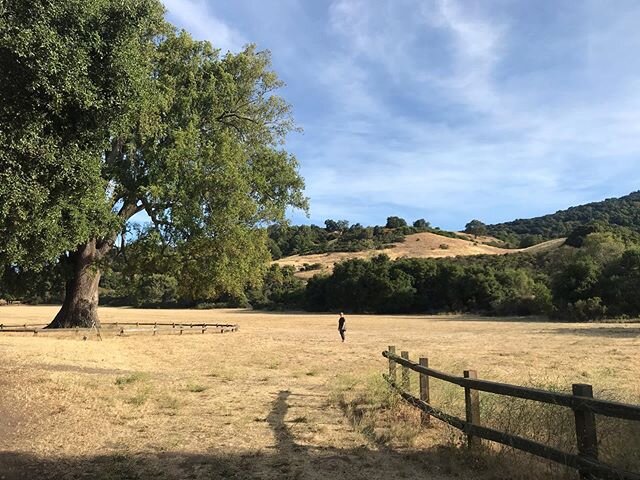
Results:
<point x="581" y="401"/>
<point x="123" y="328"/>
<point x="178" y="328"/>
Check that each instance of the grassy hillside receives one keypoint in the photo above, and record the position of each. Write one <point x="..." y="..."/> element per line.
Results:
<point x="288" y="240"/>
<point x="419" y="245"/>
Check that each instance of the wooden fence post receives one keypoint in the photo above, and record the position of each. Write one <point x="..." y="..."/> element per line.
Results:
<point x="406" y="385"/>
<point x="392" y="364"/>
<point x="472" y="407"/>
<point x="424" y="390"/>
<point x="586" y="432"/>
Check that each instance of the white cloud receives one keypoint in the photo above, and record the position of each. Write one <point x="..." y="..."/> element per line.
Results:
<point x="477" y="48"/>
<point x="438" y="105"/>
<point x="198" y="18"/>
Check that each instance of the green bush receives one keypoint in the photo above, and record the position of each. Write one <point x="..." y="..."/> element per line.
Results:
<point x="154" y="288"/>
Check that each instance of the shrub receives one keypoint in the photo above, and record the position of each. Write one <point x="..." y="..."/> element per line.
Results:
<point x="310" y="267"/>
<point x="585" y="310"/>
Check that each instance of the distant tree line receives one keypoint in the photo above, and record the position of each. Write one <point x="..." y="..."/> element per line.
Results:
<point x="340" y="236"/>
<point x="599" y="279"/>
<point x="145" y="270"/>
<point x="596" y="274"/>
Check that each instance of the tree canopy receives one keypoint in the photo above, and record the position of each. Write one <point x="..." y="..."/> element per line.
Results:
<point x="395" y="222"/>
<point x="106" y="111"/>
<point x="72" y="75"/>
<point x="475" y="227"/>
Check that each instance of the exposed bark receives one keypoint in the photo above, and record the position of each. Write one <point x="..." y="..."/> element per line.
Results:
<point x="80" y="306"/>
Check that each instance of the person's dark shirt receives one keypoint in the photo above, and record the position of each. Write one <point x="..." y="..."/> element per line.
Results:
<point x="341" y="323"/>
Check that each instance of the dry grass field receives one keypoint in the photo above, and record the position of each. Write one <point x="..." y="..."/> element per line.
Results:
<point x="419" y="245"/>
<point x="273" y="400"/>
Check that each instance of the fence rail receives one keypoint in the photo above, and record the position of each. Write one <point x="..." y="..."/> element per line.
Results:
<point x="123" y="328"/>
<point x="581" y="402"/>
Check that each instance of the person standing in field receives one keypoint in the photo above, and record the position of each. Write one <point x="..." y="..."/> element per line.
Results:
<point x="341" y="327"/>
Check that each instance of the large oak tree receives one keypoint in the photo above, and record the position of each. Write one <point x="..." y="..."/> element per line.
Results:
<point x="107" y="111"/>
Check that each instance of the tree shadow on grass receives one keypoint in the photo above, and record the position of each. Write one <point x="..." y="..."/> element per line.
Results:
<point x="279" y="313"/>
<point x="611" y="332"/>
<point x="469" y="317"/>
<point x="289" y="460"/>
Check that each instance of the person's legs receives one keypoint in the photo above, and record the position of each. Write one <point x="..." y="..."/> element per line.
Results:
<point x="342" y="334"/>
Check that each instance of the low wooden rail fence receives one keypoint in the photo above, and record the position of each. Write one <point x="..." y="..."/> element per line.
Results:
<point x="127" y="327"/>
<point x="123" y="328"/>
<point x="581" y="401"/>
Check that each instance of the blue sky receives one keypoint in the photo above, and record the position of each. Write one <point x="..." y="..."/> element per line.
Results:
<point x="447" y="109"/>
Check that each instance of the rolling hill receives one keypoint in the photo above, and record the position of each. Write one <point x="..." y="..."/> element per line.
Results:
<point x="621" y="215"/>
<point x="419" y="245"/>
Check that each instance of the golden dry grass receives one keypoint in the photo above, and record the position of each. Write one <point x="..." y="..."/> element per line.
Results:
<point x="258" y="403"/>
<point x="419" y="245"/>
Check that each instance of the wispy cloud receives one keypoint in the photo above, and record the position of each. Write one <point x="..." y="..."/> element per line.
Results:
<point x="199" y="18"/>
<point x="449" y="109"/>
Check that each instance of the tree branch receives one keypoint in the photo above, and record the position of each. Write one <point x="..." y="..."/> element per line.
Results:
<point x="226" y="115"/>
<point x="128" y="210"/>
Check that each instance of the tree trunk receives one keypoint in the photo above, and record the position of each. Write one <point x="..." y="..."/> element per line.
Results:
<point x="80" y="306"/>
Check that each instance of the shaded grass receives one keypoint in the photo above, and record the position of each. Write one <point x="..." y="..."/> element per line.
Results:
<point x="374" y="410"/>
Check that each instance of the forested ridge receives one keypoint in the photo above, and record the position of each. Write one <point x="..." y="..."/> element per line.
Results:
<point x="614" y="212"/>
<point x="621" y="214"/>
